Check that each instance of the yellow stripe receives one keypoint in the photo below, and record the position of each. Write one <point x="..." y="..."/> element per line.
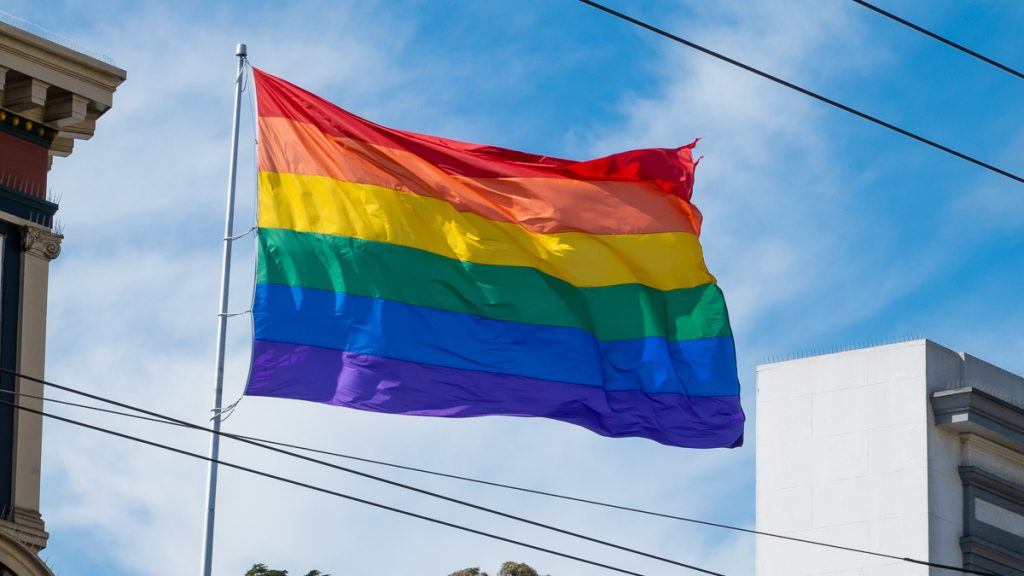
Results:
<point x="664" y="261"/>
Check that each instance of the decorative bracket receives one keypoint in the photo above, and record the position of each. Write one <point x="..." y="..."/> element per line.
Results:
<point x="42" y="243"/>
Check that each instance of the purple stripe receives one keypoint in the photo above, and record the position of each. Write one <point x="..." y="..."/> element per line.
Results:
<point x="397" y="387"/>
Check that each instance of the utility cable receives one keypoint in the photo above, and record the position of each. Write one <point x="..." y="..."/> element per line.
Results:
<point x="522" y="489"/>
<point x="375" y="478"/>
<point x="319" y="489"/>
<point x="804" y="91"/>
<point x="940" y="38"/>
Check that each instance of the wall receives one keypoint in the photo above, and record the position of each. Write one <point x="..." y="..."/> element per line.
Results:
<point x="849" y="453"/>
<point x="23" y="165"/>
<point x="945" y="489"/>
<point x="842" y="457"/>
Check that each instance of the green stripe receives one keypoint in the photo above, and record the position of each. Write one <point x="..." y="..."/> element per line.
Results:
<point x="512" y="293"/>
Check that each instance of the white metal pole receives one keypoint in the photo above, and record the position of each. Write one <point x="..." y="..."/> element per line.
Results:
<point x="222" y="319"/>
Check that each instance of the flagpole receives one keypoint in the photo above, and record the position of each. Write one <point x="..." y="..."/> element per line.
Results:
<point x="222" y="319"/>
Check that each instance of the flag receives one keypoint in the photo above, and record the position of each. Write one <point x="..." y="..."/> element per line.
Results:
<point x="411" y="274"/>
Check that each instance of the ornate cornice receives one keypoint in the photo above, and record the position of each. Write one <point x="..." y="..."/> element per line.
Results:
<point x="53" y="88"/>
<point x="42" y="243"/>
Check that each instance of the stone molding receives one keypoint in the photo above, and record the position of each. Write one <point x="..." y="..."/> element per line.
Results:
<point x="54" y="85"/>
<point x="969" y="410"/>
<point x="27" y="527"/>
<point x="987" y="544"/>
<point x="984" y="556"/>
<point x="42" y="243"/>
<point x="17" y="559"/>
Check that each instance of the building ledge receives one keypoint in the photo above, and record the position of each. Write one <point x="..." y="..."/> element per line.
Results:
<point x="18" y="560"/>
<point x="27" y="527"/>
<point x="986" y="556"/>
<point x="52" y="85"/>
<point x="969" y="410"/>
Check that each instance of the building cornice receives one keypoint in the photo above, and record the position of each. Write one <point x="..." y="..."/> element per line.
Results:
<point x="969" y="410"/>
<point x="17" y="557"/>
<point x="54" y="85"/>
<point x="58" y="65"/>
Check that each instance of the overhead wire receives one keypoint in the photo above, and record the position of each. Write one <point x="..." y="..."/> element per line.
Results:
<point x="375" y="478"/>
<point x="804" y="91"/>
<point x="520" y="488"/>
<point x="268" y="444"/>
<point x="320" y="489"/>
<point x="161" y="419"/>
<point x="940" y="38"/>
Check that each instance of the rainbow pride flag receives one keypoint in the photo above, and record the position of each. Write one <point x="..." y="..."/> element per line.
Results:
<point x="411" y="274"/>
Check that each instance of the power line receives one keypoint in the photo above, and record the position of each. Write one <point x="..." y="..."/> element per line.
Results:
<point x="523" y="489"/>
<point x="940" y="38"/>
<point x="804" y="91"/>
<point x="534" y="491"/>
<point x="171" y="421"/>
<point x="380" y="479"/>
<point x="319" y="489"/>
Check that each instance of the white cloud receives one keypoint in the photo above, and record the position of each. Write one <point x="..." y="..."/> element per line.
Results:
<point x="133" y="297"/>
<point x="775" y="211"/>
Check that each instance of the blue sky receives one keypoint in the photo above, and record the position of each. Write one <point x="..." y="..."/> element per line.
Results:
<point x="824" y="232"/>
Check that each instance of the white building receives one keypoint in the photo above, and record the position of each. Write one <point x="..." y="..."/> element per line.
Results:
<point x="908" y="449"/>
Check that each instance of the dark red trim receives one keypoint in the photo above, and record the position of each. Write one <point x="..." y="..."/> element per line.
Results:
<point x="23" y="165"/>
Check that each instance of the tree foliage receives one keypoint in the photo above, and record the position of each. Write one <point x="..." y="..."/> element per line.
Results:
<point x="468" y="572"/>
<point x="262" y="570"/>
<point x="516" y="569"/>
<point x="507" y="569"/>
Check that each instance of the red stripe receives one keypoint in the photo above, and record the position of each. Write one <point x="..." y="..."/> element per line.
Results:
<point x="671" y="169"/>
<point x="544" y="205"/>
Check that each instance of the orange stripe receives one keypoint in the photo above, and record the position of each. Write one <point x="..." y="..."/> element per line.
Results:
<point x="544" y="205"/>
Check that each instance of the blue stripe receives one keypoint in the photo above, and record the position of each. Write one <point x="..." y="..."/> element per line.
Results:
<point x="390" y="329"/>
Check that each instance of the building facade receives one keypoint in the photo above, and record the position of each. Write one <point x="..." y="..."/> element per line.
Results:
<point x="50" y="96"/>
<point x="908" y="449"/>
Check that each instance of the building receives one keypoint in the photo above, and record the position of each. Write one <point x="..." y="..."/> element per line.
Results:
<point x="908" y="449"/>
<point x="50" y="96"/>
